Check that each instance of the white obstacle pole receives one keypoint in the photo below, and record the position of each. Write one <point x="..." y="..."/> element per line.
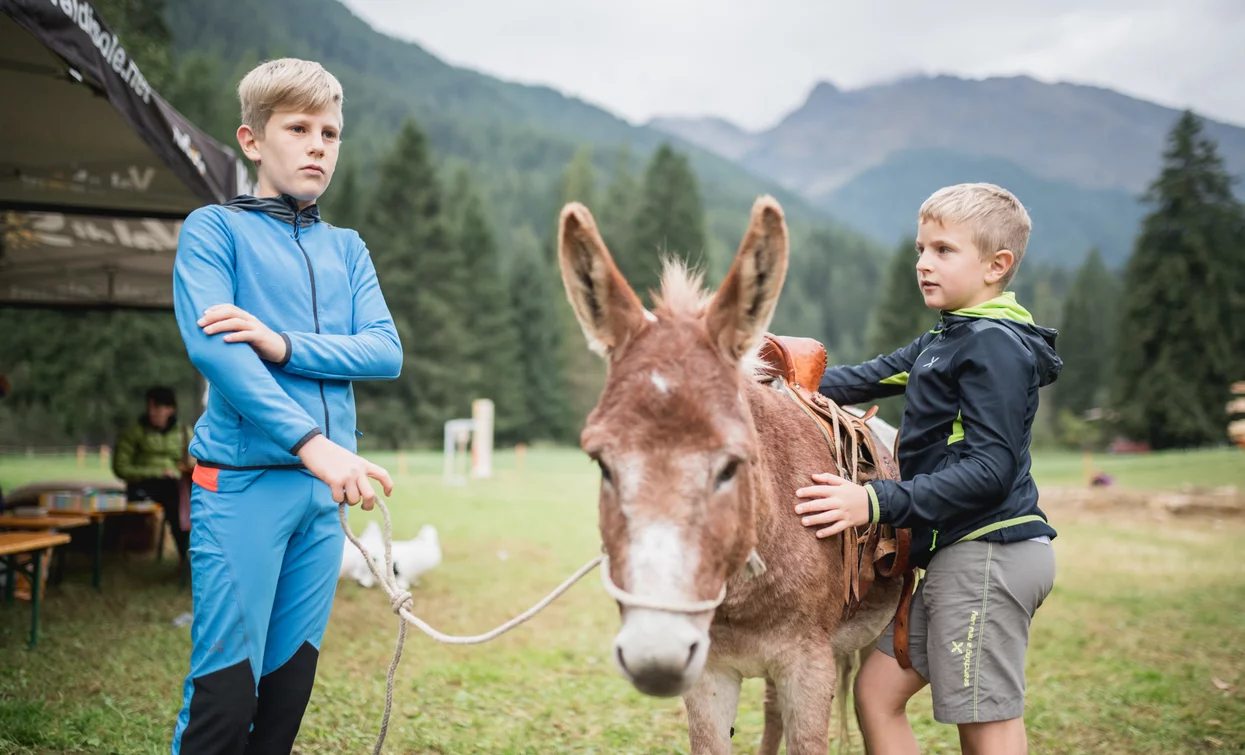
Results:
<point x="454" y="429"/>
<point x="482" y="438"/>
<point x="447" y="473"/>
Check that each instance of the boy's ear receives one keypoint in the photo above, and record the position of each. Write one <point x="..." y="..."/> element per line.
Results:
<point x="249" y="142"/>
<point x="1000" y="263"/>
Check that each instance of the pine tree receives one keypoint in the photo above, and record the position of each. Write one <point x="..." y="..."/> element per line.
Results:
<point x="671" y="221"/>
<point x="901" y="314"/>
<point x="493" y="369"/>
<point x="345" y="203"/>
<point x="141" y="26"/>
<point x="534" y="299"/>
<point x="899" y="317"/>
<point x="199" y="91"/>
<point x="831" y="291"/>
<point x="1180" y="336"/>
<point x="424" y="281"/>
<point x="1085" y="335"/>
<point x="622" y="199"/>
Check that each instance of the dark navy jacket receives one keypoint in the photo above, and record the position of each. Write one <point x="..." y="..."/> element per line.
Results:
<point x="310" y="282"/>
<point x="971" y="393"/>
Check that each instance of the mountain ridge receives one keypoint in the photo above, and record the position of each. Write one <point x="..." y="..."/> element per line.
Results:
<point x="1092" y="136"/>
<point x="1083" y="153"/>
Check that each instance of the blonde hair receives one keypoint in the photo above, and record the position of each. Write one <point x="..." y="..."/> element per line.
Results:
<point x="997" y="218"/>
<point x="286" y="84"/>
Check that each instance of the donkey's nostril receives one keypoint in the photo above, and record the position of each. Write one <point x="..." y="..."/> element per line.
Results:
<point x="621" y="662"/>
<point x="691" y="654"/>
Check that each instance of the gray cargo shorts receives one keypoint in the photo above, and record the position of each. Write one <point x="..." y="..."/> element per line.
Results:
<point x="969" y="627"/>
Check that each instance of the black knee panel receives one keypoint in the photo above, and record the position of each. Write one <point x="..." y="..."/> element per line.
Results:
<point x="221" y="708"/>
<point x="283" y="696"/>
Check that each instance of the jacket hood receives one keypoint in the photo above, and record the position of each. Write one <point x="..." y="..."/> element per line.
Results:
<point x="283" y="208"/>
<point x="1005" y="310"/>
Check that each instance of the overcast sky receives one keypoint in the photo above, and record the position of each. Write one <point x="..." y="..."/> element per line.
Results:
<point x="753" y="61"/>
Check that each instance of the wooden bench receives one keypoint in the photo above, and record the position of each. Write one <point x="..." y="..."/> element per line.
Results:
<point x="14" y="544"/>
<point x="46" y="524"/>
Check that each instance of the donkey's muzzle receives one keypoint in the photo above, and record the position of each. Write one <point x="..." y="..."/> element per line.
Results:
<point x="661" y="654"/>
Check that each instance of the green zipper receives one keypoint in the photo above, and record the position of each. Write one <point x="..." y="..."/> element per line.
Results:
<point x="933" y="542"/>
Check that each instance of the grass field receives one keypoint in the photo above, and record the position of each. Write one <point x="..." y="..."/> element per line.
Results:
<point x="1145" y="618"/>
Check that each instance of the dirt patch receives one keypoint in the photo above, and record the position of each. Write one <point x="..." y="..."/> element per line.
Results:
<point x="1188" y="501"/>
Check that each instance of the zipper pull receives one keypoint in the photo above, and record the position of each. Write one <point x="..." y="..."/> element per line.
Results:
<point x="933" y="542"/>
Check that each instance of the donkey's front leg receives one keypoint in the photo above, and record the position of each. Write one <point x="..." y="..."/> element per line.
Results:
<point x="805" y="694"/>
<point x="771" y="735"/>
<point x="711" y="705"/>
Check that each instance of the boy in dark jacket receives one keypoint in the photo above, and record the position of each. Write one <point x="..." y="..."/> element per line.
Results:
<point x="971" y="393"/>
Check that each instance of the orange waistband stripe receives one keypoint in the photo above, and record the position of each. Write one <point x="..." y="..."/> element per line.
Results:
<point x="205" y="477"/>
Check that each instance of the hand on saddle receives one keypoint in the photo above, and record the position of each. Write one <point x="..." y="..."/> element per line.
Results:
<point x="840" y="503"/>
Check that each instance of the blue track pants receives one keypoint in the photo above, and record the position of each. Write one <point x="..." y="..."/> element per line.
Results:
<point x="265" y="551"/>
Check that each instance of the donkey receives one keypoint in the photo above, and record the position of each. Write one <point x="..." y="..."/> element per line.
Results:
<point x="699" y="465"/>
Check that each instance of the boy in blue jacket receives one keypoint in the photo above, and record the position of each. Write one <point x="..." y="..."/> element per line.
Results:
<point x="971" y="393"/>
<point x="281" y="312"/>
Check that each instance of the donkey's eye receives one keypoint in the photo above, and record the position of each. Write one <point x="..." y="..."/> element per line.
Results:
<point x="605" y="472"/>
<point x="727" y="474"/>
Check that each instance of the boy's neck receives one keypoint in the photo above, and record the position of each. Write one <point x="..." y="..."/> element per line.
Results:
<point x="989" y="294"/>
<point x="265" y="191"/>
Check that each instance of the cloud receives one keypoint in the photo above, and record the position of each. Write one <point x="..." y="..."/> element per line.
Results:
<point x="752" y="62"/>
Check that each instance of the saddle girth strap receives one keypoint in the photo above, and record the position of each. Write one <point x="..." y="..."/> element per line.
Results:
<point x="902" y="614"/>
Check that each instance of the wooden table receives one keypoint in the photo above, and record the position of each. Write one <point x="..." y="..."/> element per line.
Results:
<point x="50" y="523"/>
<point x="97" y="518"/>
<point x="67" y="522"/>
<point x="13" y="544"/>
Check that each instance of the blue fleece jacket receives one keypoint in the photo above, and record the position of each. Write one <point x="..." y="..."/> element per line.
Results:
<point x="310" y="282"/>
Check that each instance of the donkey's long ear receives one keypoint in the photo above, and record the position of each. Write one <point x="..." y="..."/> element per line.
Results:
<point x="607" y="308"/>
<point x="742" y="308"/>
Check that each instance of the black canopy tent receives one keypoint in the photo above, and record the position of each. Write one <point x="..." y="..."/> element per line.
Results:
<point x="96" y="169"/>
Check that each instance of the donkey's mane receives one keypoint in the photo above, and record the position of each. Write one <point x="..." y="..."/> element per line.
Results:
<point x="684" y="297"/>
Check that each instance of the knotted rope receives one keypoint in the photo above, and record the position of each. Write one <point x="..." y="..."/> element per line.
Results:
<point x="400" y="602"/>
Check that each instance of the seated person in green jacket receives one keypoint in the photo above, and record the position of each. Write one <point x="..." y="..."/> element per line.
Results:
<point x="151" y="456"/>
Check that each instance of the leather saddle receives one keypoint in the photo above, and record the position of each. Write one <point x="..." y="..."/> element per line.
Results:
<point x="795" y="366"/>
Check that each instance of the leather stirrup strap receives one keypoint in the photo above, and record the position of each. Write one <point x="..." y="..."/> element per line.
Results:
<point x="902" y="614"/>
<point x="903" y="542"/>
<point x="865" y="556"/>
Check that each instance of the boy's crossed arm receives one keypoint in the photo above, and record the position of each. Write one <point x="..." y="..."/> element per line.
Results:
<point x="373" y="352"/>
<point x="202" y="279"/>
